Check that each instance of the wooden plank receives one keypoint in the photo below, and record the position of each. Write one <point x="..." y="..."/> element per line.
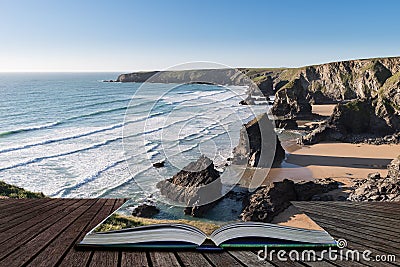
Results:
<point x="9" y="202"/>
<point x="351" y="220"/>
<point x="27" y="216"/>
<point x="31" y="222"/>
<point x="221" y="259"/>
<point x="377" y="210"/>
<point x="35" y="229"/>
<point x="19" y="207"/>
<point x="392" y="239"/>
<point x="378" y="221"/>
<point x="54" y="251"/>
<point x="372" y="214"/>
<point x="21" y="204"/>
<point x="104" y="259"/>
<point x="99" y="257"/>
<point x="24" y="209"/>
<point x="189" y="258"/>
<point x="247" y="258"/>
<point x="134" y="258"/>
<point x="77" y="258"/>
<point x="356" y="243"/>
<point x="163" y="258"/>
<point x="359" y="237"/>
<point x="28" y="250"/>
<point x="384" y="206"/>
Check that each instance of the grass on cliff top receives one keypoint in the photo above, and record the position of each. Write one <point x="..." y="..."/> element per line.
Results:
<point x="390" y="82"/>
<point x="11" y="191"/>
<point x="118" y="222"/>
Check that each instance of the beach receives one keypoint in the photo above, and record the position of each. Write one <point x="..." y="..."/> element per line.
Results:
<point x="337" y="160"/>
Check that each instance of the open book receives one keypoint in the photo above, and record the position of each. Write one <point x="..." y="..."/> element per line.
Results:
<point x="121" y="230"/>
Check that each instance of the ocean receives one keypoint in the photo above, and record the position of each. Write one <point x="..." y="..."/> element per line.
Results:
<point x="71" y="135"/>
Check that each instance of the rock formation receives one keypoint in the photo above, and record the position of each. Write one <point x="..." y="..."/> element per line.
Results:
<point x="359" y="120"/>
<point x="197" y="186"/>
<point x="327" y="83"/>
<point x="159" y="164"/>
<point x="287" y="124"/>
<point x="145" y="211"/>
<point x="267" y="202"/>
<point x="377" y="188"/>
<point x="317" y="84"/>
<point x="258" y="145"/>
<point x="291" y="100"/>
<point x="205" y="76"/>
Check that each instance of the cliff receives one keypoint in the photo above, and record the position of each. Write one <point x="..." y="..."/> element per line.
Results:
<point x="213" y="76"/>
<point x="346" y="80"/>
<point x="296" y="88"/>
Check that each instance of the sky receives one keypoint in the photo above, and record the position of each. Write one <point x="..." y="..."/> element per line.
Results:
<point x="128" y="35"/>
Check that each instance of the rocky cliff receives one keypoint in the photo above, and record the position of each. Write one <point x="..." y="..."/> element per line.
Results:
<point x="268" y="201"/>
<point x="377" y="188"/>
<point x="295" y="88"/>
<point x="363" y="119"/>
<point x="258" y="145"/>
<point x="212" y="76"/>
<point x="338" y="81"/>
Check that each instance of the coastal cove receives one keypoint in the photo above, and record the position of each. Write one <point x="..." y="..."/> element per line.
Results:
<point x="62" y="133"/>
<point x="94" y="137"/>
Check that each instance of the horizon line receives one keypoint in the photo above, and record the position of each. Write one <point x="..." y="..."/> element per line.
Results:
<point x="148" y="70"/>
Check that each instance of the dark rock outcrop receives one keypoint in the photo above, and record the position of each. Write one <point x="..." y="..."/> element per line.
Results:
<point x="258" y="145"/>
<point x="287" y="124"/>
<point x="357" y="121"/>
<point x="200" y="76"/>
<point x="159" y="164"/>
<point x="247" y="101"/>
<point x="145" y="211"/>
<point x="267" y="202"/>
<point x="377" y="188"/>
<point x="291" y="100"/>
<point x="197" y="186"/>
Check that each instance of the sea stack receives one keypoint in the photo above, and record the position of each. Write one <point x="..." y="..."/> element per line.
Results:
<point x="258" y="145"/>
<point x="197" y="186"/>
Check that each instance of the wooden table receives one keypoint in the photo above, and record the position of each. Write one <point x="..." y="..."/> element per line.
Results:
<point x="43" y="232"/>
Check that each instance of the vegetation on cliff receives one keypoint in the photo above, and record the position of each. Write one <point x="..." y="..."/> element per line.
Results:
<point x="11" y="191"/>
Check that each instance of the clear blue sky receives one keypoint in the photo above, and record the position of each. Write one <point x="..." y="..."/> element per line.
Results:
<point x="123" y="35"/>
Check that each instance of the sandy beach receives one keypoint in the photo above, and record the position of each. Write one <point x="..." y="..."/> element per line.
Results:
<point x="335" y="160"/>
<point x="323" y="110"/>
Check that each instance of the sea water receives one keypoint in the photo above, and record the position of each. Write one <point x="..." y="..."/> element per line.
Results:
<point x="72" y="135"/>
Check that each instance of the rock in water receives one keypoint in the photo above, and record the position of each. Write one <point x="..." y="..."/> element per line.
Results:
<point x="197" y="186"/>
<point x="377" y="188"/>
<point x="145" y="211"/>
<point x="267" y="202"/>
<point x="159" y="164"/>
<point x="258" y="145"/>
